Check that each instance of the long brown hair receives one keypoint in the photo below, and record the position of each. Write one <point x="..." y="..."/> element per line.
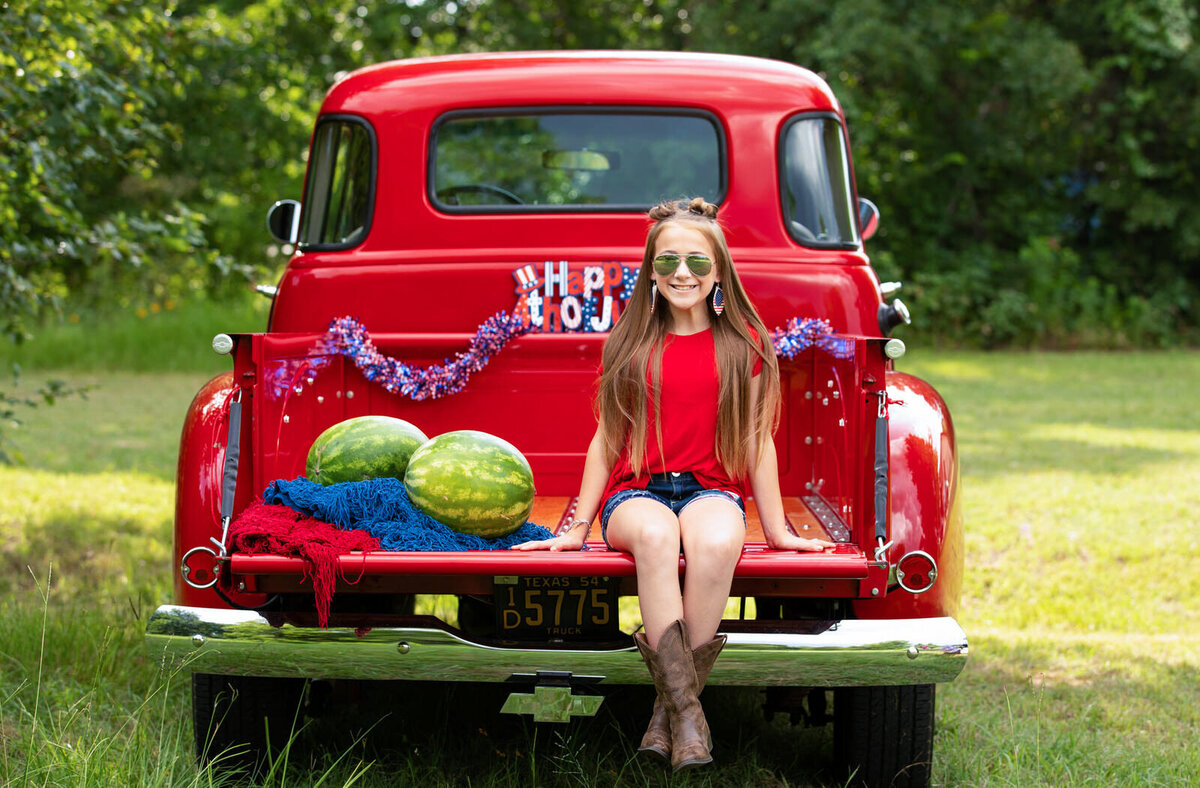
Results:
<point x="636" y="345"/>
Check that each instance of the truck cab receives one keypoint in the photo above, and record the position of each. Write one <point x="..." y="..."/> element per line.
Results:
<point x="443" y="193"/>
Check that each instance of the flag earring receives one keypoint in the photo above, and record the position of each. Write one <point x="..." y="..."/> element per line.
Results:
<point x="653" y="296"/>
<point x="718" y="300"/>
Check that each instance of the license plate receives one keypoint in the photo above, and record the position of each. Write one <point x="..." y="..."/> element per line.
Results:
<point x="563" y="608"/>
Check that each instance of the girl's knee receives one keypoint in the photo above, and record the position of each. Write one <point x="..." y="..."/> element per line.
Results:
<point x="712" y="552"/>
<point x="645" y="529"/>
<point x="656" y="537"/>
<point x="715" y="550"/>
<point x="721" y="533"/>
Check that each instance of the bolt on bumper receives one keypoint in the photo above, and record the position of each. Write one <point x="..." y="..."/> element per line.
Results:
<point x="852" y="652"/>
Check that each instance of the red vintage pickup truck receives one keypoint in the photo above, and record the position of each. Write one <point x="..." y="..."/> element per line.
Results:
<point x="443" y="191"/>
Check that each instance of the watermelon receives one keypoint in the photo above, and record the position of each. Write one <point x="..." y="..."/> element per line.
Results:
<point x="366" y="447"/>
<point x="473" y="482"/>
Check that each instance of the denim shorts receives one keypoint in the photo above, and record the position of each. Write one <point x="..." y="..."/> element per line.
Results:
<point x="676" y="491"/>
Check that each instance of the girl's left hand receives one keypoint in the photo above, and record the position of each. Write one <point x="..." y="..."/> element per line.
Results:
<point x="790" y="541"/>
<point x="568" y="541"/>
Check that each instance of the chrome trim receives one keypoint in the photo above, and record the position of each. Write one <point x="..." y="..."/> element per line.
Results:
<point x="932" y="574"/>
<point x="552" y="704"/>
<point x="185" y="571"/>
<point x="827" y="517"/>
<point x="222" y="344"/>
<point x="850" y="653"/>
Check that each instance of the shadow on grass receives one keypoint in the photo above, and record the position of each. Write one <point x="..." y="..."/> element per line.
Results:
<point x="432" y="735"/>
<point x="129" y="424"/>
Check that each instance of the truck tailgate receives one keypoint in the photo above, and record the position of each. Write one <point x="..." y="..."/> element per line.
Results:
<point x="840" y="571"/>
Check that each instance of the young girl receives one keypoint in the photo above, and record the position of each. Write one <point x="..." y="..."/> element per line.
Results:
<point x="691" y="347"/>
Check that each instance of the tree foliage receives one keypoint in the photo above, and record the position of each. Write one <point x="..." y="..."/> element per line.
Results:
<point x="1034" y="161"/>
<point x="81" y="143"/>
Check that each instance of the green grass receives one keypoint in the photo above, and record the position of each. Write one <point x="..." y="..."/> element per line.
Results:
<point x="1081" y="486"/>
<point x="1081" y="483"/>
<point x="160" y="337"/>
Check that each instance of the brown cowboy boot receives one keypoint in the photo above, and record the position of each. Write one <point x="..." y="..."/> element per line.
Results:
<point x="674" y="675"/>
<point x="657" y="739"/>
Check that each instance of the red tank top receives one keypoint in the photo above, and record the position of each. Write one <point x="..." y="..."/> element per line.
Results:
<point x="690" y="388"/>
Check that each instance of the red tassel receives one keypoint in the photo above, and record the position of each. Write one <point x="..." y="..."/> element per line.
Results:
<point x="266" y="529"/>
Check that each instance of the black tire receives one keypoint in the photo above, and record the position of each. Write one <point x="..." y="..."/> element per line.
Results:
<point x="237" y="721"/>
<point x="885" y="734"/>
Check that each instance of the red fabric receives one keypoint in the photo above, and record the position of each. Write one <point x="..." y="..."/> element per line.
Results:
<point x="690" y="388"/>
<point x="279" y="530"/>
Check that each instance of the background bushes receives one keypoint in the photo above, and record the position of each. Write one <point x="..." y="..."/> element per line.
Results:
<point x="1034" y="162"/>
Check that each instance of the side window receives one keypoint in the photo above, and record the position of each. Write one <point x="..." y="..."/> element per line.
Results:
<point x="815" y="175"/>
<point x="339" y="194"/>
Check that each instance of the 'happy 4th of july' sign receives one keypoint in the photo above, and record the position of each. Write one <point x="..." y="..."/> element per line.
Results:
<point x="556" y="299"/>
<point x="560" y="297"/>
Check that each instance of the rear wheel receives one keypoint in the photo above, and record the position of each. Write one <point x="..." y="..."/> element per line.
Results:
<point x="237" y="721"/>
<point x="885" y="734"/>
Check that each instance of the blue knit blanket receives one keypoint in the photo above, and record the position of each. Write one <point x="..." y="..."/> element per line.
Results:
<point x="381" y="508"/>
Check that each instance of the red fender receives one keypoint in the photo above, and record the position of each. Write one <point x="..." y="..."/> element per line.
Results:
<point x="198" y="482"/>
<point x="925" y="511"/>
<point x="198" y="485"/>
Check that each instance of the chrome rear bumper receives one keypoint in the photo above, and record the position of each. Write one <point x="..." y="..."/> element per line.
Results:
<point x="849" y="653"/>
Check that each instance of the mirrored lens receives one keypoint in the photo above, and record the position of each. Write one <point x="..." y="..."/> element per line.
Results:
<point x="698" y="264"/>
<point x="665" y="264"/>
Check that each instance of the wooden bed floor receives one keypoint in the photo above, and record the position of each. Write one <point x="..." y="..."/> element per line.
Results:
<point x="555" y="512"/>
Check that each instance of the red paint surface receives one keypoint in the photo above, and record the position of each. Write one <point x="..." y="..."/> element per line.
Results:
<point x="423" y="281"/>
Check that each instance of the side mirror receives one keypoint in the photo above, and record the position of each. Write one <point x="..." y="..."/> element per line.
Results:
<point x="868" y="217"/>
<point x="283" y="220"/>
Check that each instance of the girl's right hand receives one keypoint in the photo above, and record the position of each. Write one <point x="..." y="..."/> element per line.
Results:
<point x="568" y="541"/>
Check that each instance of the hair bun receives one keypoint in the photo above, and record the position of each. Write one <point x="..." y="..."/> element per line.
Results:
<point x="662" y="211"/>
<point x="674" y="209"/>
<point x="701" y="207"/>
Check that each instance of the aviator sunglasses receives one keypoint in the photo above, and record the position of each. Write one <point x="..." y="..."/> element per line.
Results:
<point x="667" y="264"/>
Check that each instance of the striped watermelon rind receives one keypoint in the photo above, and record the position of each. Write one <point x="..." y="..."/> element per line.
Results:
<point x="473" y="482"/>
<point x="364" y="447"/>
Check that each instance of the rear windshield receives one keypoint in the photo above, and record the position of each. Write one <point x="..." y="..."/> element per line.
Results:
<point x="815" y="176"/>
<point x="574" y="160"/>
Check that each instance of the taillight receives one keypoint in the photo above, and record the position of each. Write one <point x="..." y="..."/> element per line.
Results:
<point x="916" y="572"/>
